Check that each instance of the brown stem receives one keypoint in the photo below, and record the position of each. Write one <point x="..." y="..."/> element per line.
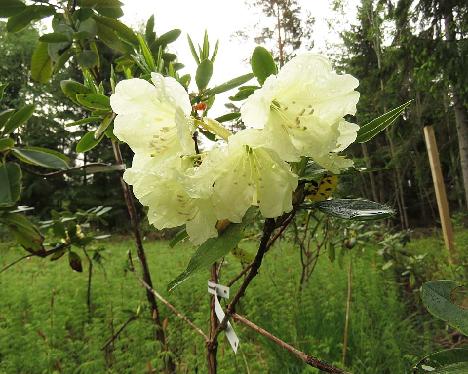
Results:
<point x="132" y="212"/>
<point x="90" y="277"/>
<point x="212" y="344"/>
<point x="308" y="359"/>
<point x="119" y="331"/>
<point x="173" y="309"/>
<point x="239" y="276"/>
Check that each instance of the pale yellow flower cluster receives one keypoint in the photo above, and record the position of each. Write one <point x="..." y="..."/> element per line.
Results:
<point x="297" y="113"/>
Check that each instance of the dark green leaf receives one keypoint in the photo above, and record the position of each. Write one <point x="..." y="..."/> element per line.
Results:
<point x="110" y="38"/>
<point x="6" y="143"/>
<point x="438" y="298"/>
<point x="181" y="235"/>
<point x="123" y="31"/>
<point x="150" y="35"/>
<point x="72" y="88"/>
<point x="263" y="64"/>
<point x="4" y="116"/>
<point x="44" y="157"/>
<point x="357" y="210"/>
<point x="184" y="80"/>
<point x="10" y="184"/>
<point x="371" y="129"/>
<point x="75" y="261"/>
<point x="54" y="37"/>
<point x="87" y="142"/>
<point x="88" y="28"/>
<point x="228" y="117"/>
<point x="83" y="121"/>
<point x="443" y="361"/>
<point x="108" y="8"/>
<point x="58" y="255"/>
<point x="41" y="63"/>
<point x="168" y="37"/>
<point x="2" y="89"/>
<point x="107" y="120"/>
<point x="204" y="73"/>
<point x="213" y="249"/>
<point x="10" y="8"/>
<point x="94" y="101"/>
<point x="87" y="59"/>
<point x="25" y="232"/>
<point x="30" y="13"/>
<point x="242" y="94"/>
<point x="229" y="85"/>
<point x="17" y="119"/>
<point x="205" y="54"/>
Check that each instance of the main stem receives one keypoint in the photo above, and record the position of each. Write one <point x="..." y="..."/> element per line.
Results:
<point x="212" y="344"/>
<point x="129" y="201"/>
<point x="348" y="309"/>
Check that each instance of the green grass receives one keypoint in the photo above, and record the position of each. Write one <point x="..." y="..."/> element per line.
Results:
<point x="45" y="327"/>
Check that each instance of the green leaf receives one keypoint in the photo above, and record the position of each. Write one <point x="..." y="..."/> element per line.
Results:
<point x="41" y="63"/>
<point x="229" y="85"/>
<point x="30" y="13"/>
<point x="10" y="184"/>
<point x="145" y="51"/>
<point x="263" y="64"/>
<point x="2" y="89"/>
<point x="4" y="116"/>
<point x="87" y="59"/>
<point x="228" y="117"/>
<point x="17" y="119"/>
<point x="204" y="74"/>
<point x="108" y="8"/>
<point x="94" y="101"/>
<point x="75" y="261"/>
<point x="213" y="249"/>
<point x="123" y="31"/>
<point x="83" y="121"/>
<point x="72" y="88"/>
<point x="54" y="37"/>
<point x="87" y="142"/>
<point x="443" y="361"/>
<point x="181" y="235"/>
<point x="10" y="8"/>
<point x="6" y="143"/>
<point x="87" y="29"/>
<point x="25" y="232"/>
<point x="205" y="54"/>
<point x="168" y="37"/>
<point x="371" y="129"/>
<point x="107" y="120"/>
<point x="150" y="35"/>
<point x="242" y="94"/>
<point x="352" y="209"/>
<point x="110" y="38"/>
<point x="192" y="49"/>
<point x="44" y="157"/>
<point x="438" y="298"/>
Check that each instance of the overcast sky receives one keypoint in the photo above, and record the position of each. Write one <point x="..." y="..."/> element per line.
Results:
<point x="222" y="18"/>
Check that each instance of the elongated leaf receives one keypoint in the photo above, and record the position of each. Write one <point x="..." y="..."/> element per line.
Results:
<point x="30" y="13"/>
<point x="25" y="232"/>
<point x="17" y="119"/>
<point x="150" y="35"/>
<point x="145" y="51"/>
<point x="448" y="359"/>
<point x="54" y="37"/>
<point x="357" y="210"/>
<point x="87" y="59"/>
<point x="204" y="74"/>
<point x="123" y="31"/>
<point x="43" y="157"/>
<point x="87" y="142"/>
<point x="193" y="50"/>
<point x="83" y="121"/>
<point x="4" y="116"/>
<point x="108" y="8"/>
<point x="228" y="117"/>
<point x="6" y="143"/>
<point x="2" y="89"/>
<point x="213" y="249"/>
<point x="110" y="38"/>
<point x="107" y="120"/>
<point x="41" y="63"/>
<point x="72" y="88"/>
<point x="371" y="129"/>
<point x="263" y="64"/>
<point x="233" y="83"/>
<point x="168" y="37"/>
<point x="75" y="261"/>
<point x="94" y="101"/>
<point x="181" y="235"/>
<point x="438" y="296"/>
<point x="10" y="184"/>
<point x="10" y="8"/>
<point x="242" y="94"/>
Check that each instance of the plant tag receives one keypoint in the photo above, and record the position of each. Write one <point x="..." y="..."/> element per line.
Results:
<point x="223" y="291"/>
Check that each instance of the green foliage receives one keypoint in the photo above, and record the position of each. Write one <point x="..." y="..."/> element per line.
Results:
<point x="43" y="157"/>
<point x="263" y="64"/>
<point x="358" y="210"/>
<point x="10" y="183"/>
<point x="438" y="298"/>
<point x="204" y="74"/>
<point x="229" y="85"/>
<point x="447" y="361"/>
<point x="18" y="118"/>
<point x="41" y="63"/>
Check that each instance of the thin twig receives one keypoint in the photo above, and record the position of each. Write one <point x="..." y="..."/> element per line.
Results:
<point x="173" y="308"/>
<point x="119" y="331"/>
<point x="308" y="359"/>
<point x="239" y="276"/>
